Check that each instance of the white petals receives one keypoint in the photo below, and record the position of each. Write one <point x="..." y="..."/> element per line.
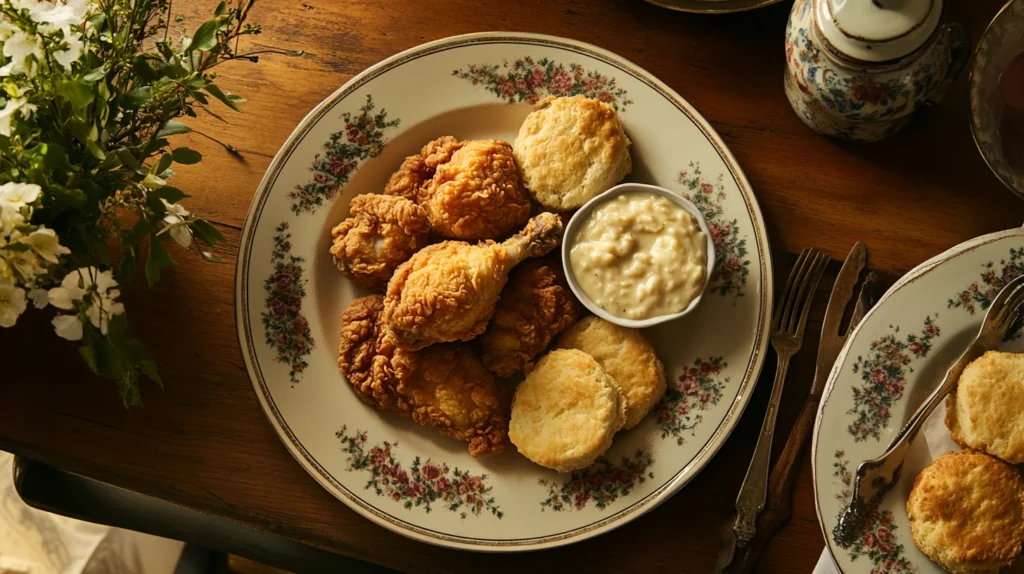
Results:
<point x="40" y="298"/>
<point x="181" y="235"/>
<point x="10" y="217"/>
<point x="73" y="51"/>
<point x="176" y="226"/>
<point x="19" y="194"/>
<point x="68" y="327"/>
<point x="174" y="208"/>
<point x="12" y="304"/>
<point x="97" y="292"/>
<point x="14" y="105"/>
<point x="63" y="297"/>
<point x="19" y="46"/>
<point x="57" y="15"/>
<point x="44" y="242"/>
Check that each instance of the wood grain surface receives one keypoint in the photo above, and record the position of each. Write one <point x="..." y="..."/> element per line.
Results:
<point x="203" y="441"/>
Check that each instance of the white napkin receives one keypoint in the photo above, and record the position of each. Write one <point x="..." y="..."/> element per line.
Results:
<point x="37" y="542"/>
<point x="936" y="437"/>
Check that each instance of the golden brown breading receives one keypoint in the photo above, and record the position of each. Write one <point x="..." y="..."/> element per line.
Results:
<point x="381" y="234"/>
<point x="966" y="512"/>
<point x="535" y="306"/>
<point x="566" y="412"/>
<point x="448" y="291"/>
<point x="627" y="356"/>
<point x="445" y="386"/>
<point x="365" y="355"/>
<point x="450" y="390"/>
<point x="477" y="194"/>
<point x="987" y="411"/>
<point x="570" y="150"/>
<point x="417" y="170"/>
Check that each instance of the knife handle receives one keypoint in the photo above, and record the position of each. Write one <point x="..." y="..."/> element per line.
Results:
<point x="780" y="491"/>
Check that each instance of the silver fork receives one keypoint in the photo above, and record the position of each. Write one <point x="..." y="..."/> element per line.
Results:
<point x="789" y="319"/>
<point x="876" y="477"/>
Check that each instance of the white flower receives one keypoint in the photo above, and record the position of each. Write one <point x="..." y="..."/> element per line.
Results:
<point x="10" y="217"/>
<point x="176" y="223"/>
<point x="97" y="289"/>
<point x="18" y="47"/>
<point x="14" y="105"/>
<point x="57" y="15"/>
<point x="14" y="196"/>
<point x="12" y="304"/>
<point x="27" y="264"/>
<point x="70" y="290"/>
<point x="68" y="327"/>
<point x="19" y="194"/>
<point x="39" y="298"/>
<point x="70" y="54"/>
<point x="44" y="242"/>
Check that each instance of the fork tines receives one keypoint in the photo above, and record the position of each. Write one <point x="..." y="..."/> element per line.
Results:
<point x="791" y="310"/>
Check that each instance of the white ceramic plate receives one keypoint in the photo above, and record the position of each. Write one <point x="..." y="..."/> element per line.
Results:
<point x="713" y="6"/>
<point x="289" y="297"/>
<point x="890" y="364"/>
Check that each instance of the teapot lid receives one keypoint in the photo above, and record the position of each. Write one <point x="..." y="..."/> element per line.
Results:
<point x="878" y="30"/>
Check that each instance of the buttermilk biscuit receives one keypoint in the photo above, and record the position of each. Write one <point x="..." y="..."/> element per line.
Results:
<point x="966" y="512"/>
<point x="987" y="411"/>
<point x="566" y="412"/>
<point x="627" y="356"/>
<point x="571" y="149"/>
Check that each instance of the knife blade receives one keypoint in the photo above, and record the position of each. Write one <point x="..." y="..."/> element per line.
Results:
<point x="783" y="476"/>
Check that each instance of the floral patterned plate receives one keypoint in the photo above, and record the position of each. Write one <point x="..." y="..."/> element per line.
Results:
<point x="890" y="364"/>
<point x="289" y="297"/>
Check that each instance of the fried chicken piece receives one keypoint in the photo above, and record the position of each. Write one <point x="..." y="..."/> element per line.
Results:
<point x="417" y="170"/>
<point x="382" y="233"/>
<point x="477" y="194"/>
<point x="451" y="390"/>
<point x="534" y="308"/>
<point x="448" y="291"/>
<point x="445" y="386"/>
<point x="366" y="354"/>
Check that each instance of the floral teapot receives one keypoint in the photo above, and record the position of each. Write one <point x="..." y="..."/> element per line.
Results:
<point x="860" y="69"/>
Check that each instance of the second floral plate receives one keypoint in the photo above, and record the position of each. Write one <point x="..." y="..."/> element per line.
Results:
<point x="890" y="364"/>
<point x="289" y="297"/>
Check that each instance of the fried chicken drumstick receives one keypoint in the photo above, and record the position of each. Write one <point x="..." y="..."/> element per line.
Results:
<point x="448" y="291"/>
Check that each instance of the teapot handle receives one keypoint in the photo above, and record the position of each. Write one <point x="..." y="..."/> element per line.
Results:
<point x="960" y="51"/>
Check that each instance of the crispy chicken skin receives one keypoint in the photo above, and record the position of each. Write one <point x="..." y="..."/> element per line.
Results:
<point x="382" y="233"/>
<point x="477" y="194"/>
<point x="448" y="291"/>
<point x="445" y="386"/>
<point x="417" y="170"/>
<point x="535" y="306"/>
<point x="367" y="355"/>
<point x="451" y="390"/>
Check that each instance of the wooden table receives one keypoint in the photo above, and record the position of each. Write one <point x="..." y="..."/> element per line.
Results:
<point x="205" y="444"/>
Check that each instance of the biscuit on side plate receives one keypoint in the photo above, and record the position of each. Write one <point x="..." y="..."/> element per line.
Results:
<point x="571" y="149"/>
<point x="966" y="512"/>
<point x="566" y="412"/>
<point x="987" y="411"/>
<point x="627" y="356"/>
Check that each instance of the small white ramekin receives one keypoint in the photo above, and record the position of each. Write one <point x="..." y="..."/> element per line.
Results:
<point x="583" y="214"/>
